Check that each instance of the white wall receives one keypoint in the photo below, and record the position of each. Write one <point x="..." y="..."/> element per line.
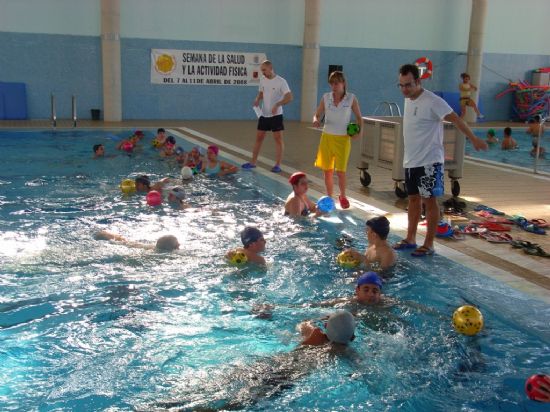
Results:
<point x="396" y="24"/>
<point x="243" y="21"/>
<point x="518" y="27"/>
<point x="75" y="17"/>
<point x="513" y="26"/>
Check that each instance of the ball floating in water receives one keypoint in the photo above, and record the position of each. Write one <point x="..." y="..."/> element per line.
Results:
<point x="153" y="198"/>
<point x="353" y="129"/>
<point x="467" y="320"/>
<point x="346" y="260"/>
<point x="128" y="186"/>
<point x="533" y="388"/>
<point x="186" y="173"/>
<point x="127" y="147"/>
<point x="238" y="258"/>
<point x="326" y="204"/>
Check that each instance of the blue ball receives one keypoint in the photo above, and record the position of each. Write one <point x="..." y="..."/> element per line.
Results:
<point x="326" y="204"/>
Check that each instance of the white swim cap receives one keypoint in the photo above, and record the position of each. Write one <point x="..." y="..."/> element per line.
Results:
<point x="186" y="173"/>
<point x="340" y="327"/>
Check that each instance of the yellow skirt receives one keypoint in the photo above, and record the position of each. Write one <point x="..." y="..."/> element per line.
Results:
<point x="333" y="152"/>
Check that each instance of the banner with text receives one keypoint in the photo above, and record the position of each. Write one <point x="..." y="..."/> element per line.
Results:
<point x="205" y="67"/>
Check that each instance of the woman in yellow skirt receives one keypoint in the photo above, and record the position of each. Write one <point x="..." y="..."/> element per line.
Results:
<point x="335" y="144"/>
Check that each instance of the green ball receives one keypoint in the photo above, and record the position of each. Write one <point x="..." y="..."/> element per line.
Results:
<point x="353" y="129"/>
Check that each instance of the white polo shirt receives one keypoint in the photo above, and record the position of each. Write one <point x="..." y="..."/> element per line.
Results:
<point x="423" y="130"/>
<point x="337" y="117"/>
<point x="273" y="91"/>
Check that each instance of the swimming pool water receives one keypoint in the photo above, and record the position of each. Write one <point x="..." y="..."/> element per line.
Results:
<point x="520" y="157"/>
<point x="90" y="325"/>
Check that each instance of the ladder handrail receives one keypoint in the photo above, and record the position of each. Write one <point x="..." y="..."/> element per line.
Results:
<point x="397" y="107"/>
<point x="73" y="101"/>
<point x="389" y="106"/>
<point x="53" y="111"/>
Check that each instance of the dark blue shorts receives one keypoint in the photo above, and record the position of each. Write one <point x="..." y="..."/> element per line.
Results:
<point x="427" y="181"/>
<point x="273" y="123"/>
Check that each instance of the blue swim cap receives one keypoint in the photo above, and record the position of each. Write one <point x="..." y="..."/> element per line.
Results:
<point x="369" y="278"/>
<point x="250" y="235"/>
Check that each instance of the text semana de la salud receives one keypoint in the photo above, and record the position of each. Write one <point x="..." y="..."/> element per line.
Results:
<point x="196" y="67"/>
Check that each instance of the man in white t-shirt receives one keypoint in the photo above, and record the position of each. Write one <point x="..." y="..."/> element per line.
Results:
<point x="425" y="155"/>
<point x="275" y="93"/>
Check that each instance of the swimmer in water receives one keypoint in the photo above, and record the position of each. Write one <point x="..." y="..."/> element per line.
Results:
<point x="244" y="386"/>
<point x="253" y="244"/>
<point x="214" y="167"/>
<point x="297" y="203"/>
<point x="166" y="243"/>
<point x="379" y="255"/>
<point x="143" y="184"/>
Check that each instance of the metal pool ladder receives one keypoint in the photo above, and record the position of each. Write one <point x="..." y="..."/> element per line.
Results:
<point x="53" y="116"/>
<point x="389" y="106"/>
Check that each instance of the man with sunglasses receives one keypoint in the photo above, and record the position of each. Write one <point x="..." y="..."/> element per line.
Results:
<point x="424" y="154"/>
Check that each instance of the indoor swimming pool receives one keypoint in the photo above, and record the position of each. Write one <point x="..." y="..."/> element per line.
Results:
<point x="96" y="325"/>
<point x="519" y="158"/>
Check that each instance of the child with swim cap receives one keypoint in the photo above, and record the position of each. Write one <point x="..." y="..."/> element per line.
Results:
<point x="169" y="147"/>
<point x="214" y="167"/>
<point x="297" y="203"/>
<point x="368" y="291"/>
<point x="144" y="185"/>
<point x="166" y="243"/>
<point x="176" y="196"/>
<point x="491" y="138"/>
<point x="129" y="144"/>
<point x="181" y="155"/>
<point x="194" y="159"/>
<point x="253" y="244"/>
<point x="379" y="254"/>
<point x="339" y="329"/>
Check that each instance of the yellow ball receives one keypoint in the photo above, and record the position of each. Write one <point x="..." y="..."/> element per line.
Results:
<point x="467" y="320"/>
<point x="346" y="260"/>
<point x="156" y="143"/>
<point x="128" y="186"/>
<point x="238" y="258"/>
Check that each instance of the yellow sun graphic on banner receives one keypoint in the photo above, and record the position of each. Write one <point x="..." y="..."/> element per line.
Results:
<point x="165" y="64"/>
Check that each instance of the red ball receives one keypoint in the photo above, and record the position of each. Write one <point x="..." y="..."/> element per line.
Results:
<point x="127" y="146"/>
<point x="153" y="198"/>
<point x="532" y="386"/>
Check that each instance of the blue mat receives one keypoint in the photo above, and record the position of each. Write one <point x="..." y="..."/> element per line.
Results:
<point x="453" y="100"/>
<point x="13" y="101"/>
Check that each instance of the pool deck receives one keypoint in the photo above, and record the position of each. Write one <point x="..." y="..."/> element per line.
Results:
<point x="510" y="191"/>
